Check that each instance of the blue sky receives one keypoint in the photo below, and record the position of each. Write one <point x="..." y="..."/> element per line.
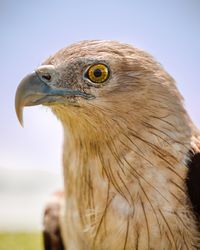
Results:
<point x="33" y="30"/>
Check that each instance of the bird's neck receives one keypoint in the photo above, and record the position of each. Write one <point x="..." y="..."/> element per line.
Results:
<point x="136" y="175"/>
<point x="116" y="160"/>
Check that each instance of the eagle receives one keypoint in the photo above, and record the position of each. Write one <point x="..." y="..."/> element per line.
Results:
<point x="131" y="153"/>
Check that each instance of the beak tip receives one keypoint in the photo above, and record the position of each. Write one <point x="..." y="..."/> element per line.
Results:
<point x="21" y="122"/>
<point x="19" y="112"/>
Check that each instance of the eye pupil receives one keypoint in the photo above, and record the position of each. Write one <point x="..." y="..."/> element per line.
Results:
<point x="97" y="72"/>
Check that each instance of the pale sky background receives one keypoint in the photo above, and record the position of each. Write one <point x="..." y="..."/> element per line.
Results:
<point x="30" y="31"/>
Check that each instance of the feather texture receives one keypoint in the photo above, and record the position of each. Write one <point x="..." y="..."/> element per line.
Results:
<point x="125" y="156"/>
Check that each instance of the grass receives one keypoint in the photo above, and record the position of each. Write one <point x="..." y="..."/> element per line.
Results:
<point x="20" y="241"/>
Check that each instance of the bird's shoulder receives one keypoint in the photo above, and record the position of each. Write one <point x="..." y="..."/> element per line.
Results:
<point x="193" y="176"/>
<point x="52" y="236"/>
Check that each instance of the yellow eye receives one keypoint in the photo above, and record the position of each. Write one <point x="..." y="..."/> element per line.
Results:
<point x="98" y="73"/>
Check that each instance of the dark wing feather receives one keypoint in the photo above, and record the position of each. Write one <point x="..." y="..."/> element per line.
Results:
<point x="52" y="241"/>
<point x="193" y="181"/>
<point x="52" y="236"/>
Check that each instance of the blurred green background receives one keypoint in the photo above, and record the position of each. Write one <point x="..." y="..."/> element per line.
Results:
<point x="21" y="241"/>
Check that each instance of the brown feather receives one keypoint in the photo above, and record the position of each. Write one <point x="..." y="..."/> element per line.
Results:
<point x="125" y="153"/>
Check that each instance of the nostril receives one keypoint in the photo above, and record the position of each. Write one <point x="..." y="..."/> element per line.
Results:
<point x="46" y="77"/>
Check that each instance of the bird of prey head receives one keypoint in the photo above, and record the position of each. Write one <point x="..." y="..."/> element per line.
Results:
<point x="127" y="139"/>
<point x="85" y="77"/>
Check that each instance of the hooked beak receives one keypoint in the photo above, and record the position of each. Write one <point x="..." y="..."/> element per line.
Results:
<point x="34" y="90"/>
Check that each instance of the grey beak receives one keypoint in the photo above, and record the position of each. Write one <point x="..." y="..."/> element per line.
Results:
<point x="33" y="90"/>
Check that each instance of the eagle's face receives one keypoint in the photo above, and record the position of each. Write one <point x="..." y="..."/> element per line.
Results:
<point x="100" y="80"/>
<point x="99" y="70"/>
